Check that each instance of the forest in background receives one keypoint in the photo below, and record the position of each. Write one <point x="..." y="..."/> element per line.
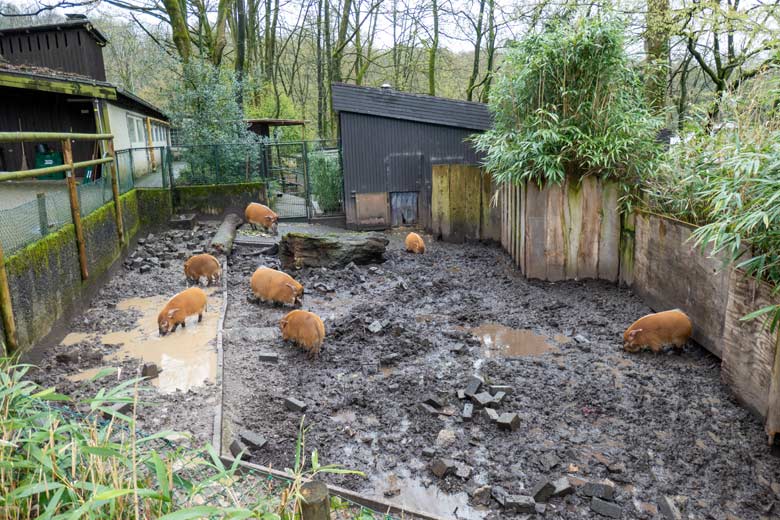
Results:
<point x="287" y="53"/>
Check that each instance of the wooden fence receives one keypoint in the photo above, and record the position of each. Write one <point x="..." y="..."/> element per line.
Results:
<point x="461" y="206"/>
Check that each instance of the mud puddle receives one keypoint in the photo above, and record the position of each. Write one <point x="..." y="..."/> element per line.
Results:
<point x="501" y="341"/>
<point x="187" y="358"/>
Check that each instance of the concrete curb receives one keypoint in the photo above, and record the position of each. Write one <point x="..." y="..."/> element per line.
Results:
<point x="216" y="439"/>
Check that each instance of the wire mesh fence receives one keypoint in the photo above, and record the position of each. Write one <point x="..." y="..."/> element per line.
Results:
<point x="143" y="167"/>
<point x="216" y="164"/>
<point x="29" y="221"/>
<point x="94" y="194"/>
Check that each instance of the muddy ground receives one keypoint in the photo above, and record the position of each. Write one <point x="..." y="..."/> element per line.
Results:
<point x="655" y="425"/>
<point x="119" y="331"/>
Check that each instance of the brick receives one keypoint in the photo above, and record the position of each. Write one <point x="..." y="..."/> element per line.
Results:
<point x="428" y="409"/>
<point x="604" y="489"/>
<point x="473" y="386"/>
<point x="668" y="509"/>
<point x="498" y="397"/>
<point x="443" y="467"/>
<point x="543" y="490"/>
<point x="150" y="370"/>
<point x="508" y="421"/>
<point x="463" y="471"/>
<point x="540" y="508"/>
<point x="434" y="401"/>
<point x="237" y="447"/>
<point x="492" y="414"/>
<point x="461" y="394"/>
<point x="482" y="399"/>
<point x="562" y="487"/>
<point x="468" y="411"/>
<point x="252" y="439"/>
<point x="295" y="405"/>
<point x="457" y="349"/>
<point x="428" y="453"/>
<point x="604" y="508"/>
<point x="499" y="494"/>
<point x="494" y="389"/>
<point x="520" y="504"/>
<point x="268" y="357"/>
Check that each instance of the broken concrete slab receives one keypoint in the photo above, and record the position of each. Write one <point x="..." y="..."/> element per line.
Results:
<point x="482" y="399"/>
<point x="295" y="405"/>
<point x="468" y="412"/>
<point x="520" y="504"/>
<point x="473" y="386"/>
<point x="443" y="467"/>
<point x="601" y="489"/>
<point x="508" y="421"/>
<point x="252" y="439"/>
<point x="562" y="487"/>
<point x="668" y="509"/>
<point x="428" y="452"/>
<point x="268" y="357"/>
<point x="604" y="508"/>
<point x="543" y="490"/>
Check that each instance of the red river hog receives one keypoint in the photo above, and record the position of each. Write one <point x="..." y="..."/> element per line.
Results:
<point x="304" y="328"/>
<point x="656" y="330"/>
<point x="270" y="285"/>
<point x="202" y="265"/>
<point x="414" y="243"/>
<point x="187" y="303"/>
<point x="259" y="215"/>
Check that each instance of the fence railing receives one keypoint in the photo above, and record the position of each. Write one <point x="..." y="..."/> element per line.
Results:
<point x="36" y="218"/>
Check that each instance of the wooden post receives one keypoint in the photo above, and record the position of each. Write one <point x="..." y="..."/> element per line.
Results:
<point x="75" y="211"/>
<point x="315" y="502"/>
<point x="43" y="218"/>
<point x="150" y="143"/>
<point x="6" y="308"/>
<point x="120" y="228"/>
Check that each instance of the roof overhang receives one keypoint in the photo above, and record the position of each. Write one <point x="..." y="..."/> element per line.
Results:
<point x="93" y="31"/>
<point x="60" y="85"/>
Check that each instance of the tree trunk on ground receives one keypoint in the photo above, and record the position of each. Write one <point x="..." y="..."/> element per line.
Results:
<point x="297" y="250"/>
<point x="223" y="238"/>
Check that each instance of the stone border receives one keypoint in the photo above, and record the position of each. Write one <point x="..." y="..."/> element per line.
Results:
<point x="216" y="439"/>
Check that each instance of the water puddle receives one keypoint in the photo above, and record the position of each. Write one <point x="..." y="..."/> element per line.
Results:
<point x="87" y="374"/>
<point x="501" y="341"/>
<point x="187" y="357"/>
<point x="410" y="493"/>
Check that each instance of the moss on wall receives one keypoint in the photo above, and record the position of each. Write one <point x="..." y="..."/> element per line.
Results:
<point x="154" y="207"/>
<point x="215" y="199"/>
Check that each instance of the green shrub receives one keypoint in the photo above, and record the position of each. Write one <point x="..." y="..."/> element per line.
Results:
<point x="569" y="102"/>
<point x="327" y="180"/>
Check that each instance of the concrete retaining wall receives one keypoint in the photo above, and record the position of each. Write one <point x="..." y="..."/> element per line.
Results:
<point x="45" y="279"/>
<point x="216" y="199"/>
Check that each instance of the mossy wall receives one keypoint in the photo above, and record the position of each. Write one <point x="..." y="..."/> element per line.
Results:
<point x="45" y="277"/>
<point x="155" y="207"/>
<point x="216" y="199"/>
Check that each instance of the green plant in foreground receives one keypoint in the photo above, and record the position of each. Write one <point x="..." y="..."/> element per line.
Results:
<point x="57" y="464"/>
<point x="568" y="102"/>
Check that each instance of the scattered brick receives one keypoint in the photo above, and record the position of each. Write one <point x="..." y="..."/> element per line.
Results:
<point x="562" y="487"/>
<point x="255" y="440"/>
<point x="481" y="496"/>
<point x="498" y="397"/>
<point x="269" y="357"/>
<point x="295" y="405"/>
<point x="604" y="489"/>
<point x="520" y="504"/>
<point x="428" y="409"/>
<point x="150" y="370"/>
<point x="461" y="394"/>
<point x="605" y="508"/>
<point x="499" y="494"/>
<point x="468" y="411"/>
<point x="482" y="400"/>
<point x="463" y="471"/>
<point x="434" y="401"/>
<point x="473" y="386"/>
<point x="668" y="509"/>
<point x="494" y="389"/>
<point x="428" y="453"/>
<point x="236" y="449"/>
<point x="543" y="490"/>
<point x="508" y="421"/>
<point x="443" y="467"/>
<point x="492" y="414"/>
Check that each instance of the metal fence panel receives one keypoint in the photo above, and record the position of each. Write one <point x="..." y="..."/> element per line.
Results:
<point x="29" y="221"/>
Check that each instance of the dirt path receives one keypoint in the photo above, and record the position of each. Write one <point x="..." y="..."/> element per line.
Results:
<point x="421" y="326"/>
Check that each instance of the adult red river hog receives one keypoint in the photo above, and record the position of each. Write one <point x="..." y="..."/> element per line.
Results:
<point x="202" y="265"/>
<point x="258" y="215"/>
<point x="656" y="330"/>
<point x="187" y="303"/>
<point x="414" y="243"/>
<point x="270" y="285"/>
<point x="304" y="328"/>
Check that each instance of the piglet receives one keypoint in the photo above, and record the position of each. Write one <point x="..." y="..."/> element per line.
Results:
<point x="304" y="328"/>
<point x="656" y="330"/>
<point x="259" y="215"/>
<point x="270" y="285"/>
<point x="414" y="243"/>
<point x="202" y="265"/>
<point x="187" y="303"/>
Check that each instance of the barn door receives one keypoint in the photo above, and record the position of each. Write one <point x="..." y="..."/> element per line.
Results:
<point x="404" y="178"/>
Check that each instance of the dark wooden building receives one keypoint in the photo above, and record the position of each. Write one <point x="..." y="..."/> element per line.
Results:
<point x="390" y="140"/>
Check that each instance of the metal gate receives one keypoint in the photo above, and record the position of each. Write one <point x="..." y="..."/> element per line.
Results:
<point x="284" y="168"/>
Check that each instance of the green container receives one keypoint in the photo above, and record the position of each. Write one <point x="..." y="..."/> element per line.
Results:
<point x="44" y="160"/>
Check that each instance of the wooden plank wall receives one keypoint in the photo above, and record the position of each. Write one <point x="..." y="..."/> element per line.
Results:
<point x="460" y="204"/>
<point x="669" y="272"/>
<point x="571" y="231"/>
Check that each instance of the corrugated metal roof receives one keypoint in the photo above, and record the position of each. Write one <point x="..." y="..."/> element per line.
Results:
<point x="385" y="102"/>
<point x="93" y="31"/>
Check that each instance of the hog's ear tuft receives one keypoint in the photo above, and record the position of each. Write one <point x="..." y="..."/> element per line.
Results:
<point x="172" y="312"/>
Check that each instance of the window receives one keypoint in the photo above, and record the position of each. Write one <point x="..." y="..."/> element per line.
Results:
<point x="135" y="131"/>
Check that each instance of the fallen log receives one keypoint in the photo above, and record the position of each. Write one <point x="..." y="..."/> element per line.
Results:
<point x="297" y="250"/>
<point x="222" y="241"/>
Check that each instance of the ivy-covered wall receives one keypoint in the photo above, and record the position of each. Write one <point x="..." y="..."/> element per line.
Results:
<point x="45" y="277"/>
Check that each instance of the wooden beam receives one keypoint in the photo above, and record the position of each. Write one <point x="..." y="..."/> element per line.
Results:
<point x="55" y="85"/>
<point x="150" y="143"/>
<point x="6" y="308"/>
<point x="67" y="154"/>
<point x="25" y="174"/>
<point x="15" y="137"/>
<point x="120" y="227"/>
<point x="315" y="501"/>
